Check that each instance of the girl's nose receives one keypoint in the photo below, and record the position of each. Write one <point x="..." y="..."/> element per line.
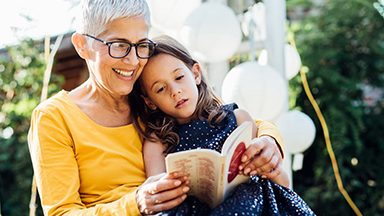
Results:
<point x="175" y="91"/>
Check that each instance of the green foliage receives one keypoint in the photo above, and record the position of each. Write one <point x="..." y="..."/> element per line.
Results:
<point x="21" y="78"/>
<point x="343" y="51"/>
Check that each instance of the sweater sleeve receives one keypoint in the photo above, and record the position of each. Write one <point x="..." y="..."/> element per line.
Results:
<point x="267" y="128"/>
<point x="53" y="155"/>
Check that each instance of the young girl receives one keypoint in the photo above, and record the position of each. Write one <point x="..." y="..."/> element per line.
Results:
<point x="180" y="111"/>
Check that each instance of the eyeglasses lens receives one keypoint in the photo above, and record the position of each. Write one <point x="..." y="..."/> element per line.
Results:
<point x="143" y="50"/>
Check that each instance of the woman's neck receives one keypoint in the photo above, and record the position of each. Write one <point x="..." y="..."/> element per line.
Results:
<point x="102" y="96"/>
<point x="101" y="106"/>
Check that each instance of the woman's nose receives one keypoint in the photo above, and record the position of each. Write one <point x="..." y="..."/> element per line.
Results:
<point x="131" y="58"/>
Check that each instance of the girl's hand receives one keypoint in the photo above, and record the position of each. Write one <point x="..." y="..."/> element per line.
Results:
<point x="161" y="192"/>
<point x="262" y="157"/>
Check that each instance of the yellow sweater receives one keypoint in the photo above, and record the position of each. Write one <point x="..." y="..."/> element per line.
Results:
<point x="82" y="168"/>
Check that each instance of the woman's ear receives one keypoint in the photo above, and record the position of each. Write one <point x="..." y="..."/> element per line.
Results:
<point x="149" y="103"/>
<point x="196" y="71"/>
<point x="80" y="44"/>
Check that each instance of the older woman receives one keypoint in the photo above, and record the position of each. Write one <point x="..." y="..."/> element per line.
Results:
<point x="86" y="154"/>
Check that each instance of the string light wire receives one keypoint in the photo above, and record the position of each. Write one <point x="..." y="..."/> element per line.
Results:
<point x="326" y="135"/>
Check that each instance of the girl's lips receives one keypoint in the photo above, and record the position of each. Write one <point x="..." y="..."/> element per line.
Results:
<point x="123" y="73"/>
<point x="181" y="103"/>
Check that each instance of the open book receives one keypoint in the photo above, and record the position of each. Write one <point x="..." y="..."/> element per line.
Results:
<point x="212" y="175"/>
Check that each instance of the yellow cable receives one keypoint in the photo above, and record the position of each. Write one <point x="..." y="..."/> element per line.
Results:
<point x="327" y="139"/>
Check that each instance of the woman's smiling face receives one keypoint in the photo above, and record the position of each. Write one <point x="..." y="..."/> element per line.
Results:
<point x="117" y="76"/>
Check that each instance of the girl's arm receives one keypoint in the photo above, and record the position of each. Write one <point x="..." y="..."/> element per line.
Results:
<point x="243" y="116"/>
<point x="250" y="168"/>
<point x="154" y="157"/>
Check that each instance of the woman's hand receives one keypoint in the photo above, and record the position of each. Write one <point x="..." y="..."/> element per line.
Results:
<point x="262" y="157"/>
<point x="161" y="192"/>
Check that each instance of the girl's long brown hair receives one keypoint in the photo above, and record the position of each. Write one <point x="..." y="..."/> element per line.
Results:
<point x="157" y="122"/>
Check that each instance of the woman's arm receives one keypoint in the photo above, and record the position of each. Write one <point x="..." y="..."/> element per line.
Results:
<point x="161" y="192"/>
<point x="269" y="129"/>
<point x="57" y="168"/>
<point x="264" y="156"/>
<point x="57" y="171"/>
<point x="281" y="179"/>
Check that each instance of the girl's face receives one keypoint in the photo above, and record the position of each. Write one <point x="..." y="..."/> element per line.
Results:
<point x="117" y="76"/>
<point x="171" y="86"/>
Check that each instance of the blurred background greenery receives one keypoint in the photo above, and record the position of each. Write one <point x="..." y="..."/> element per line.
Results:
<point x="342" y="51"/>
<point x="21" y="78"/>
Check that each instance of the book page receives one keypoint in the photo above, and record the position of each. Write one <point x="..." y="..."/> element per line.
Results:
<point x="202" y="166"/>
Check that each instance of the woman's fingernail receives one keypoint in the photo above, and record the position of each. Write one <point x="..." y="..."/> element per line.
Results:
<point x="254" y="172"/>
<point x="244" y="158"/>
<point x="246" y="171"/>
<point x="184" y="196"/>
<point x="241" y="167"/>
<point x="185" y="189"/>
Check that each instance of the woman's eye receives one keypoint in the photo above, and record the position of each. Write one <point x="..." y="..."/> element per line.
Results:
<point x="179" y="77"/>
<point x="119" y="45"/>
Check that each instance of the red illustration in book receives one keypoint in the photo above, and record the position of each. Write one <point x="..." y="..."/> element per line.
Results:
<point x="235" y="162"/>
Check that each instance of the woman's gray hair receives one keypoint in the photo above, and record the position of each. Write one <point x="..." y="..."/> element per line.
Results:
<point x="96" y="15"/>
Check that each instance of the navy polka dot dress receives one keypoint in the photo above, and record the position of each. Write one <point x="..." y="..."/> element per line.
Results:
<point x="198" y="134"/>
<point x="258" y="197"/>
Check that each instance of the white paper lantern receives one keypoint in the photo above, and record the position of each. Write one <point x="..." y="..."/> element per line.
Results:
<point x="212" y="32"/>
<point x="260" y="90"/>
<point x="292" y="60"/>
<point x="170" y="15"/>
<point x="297" y="129"/>
<point x="257" y="14"/>
<point x="297" y="163"/>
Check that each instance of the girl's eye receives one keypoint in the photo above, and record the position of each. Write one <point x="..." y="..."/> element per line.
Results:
<point x="179" y="77"/>
<point x="160" y="90"/>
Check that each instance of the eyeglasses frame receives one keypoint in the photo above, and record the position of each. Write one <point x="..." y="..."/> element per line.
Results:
<point x="128" y="50"/>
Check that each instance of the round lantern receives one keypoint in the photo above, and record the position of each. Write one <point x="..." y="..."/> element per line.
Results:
<point x="211" y="32"/>
<point x="297" y="129"/>
<point x="260" y="90"/>
<point x="171" y="14"/>
<point x="292" y="60"/>
<point x="257" y="14"/>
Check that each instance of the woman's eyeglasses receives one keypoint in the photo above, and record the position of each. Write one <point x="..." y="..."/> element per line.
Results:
<point x="120" y="49"/>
